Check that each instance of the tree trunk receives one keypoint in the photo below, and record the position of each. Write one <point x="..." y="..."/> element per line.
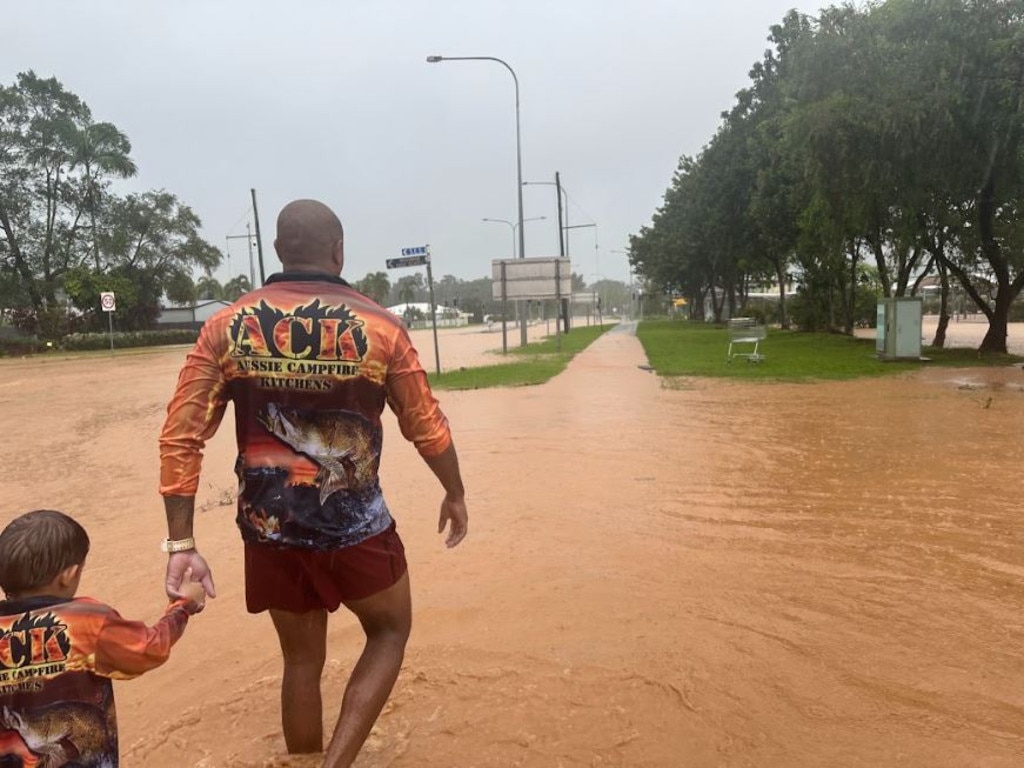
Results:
<point x="883" y="268"/>
<point x="995" y="337"/>
<point x="698" y="305"/>
<point x="19" y="262"/>
<point x="717" y="305"/>
<point x="939" y="340"/>
<point x="91" y="201"/>
<point x="780" y="274"/>
<point x="851" y="307"/>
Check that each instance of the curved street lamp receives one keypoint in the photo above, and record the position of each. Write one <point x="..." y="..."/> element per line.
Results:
<point x="519" y="153"/>
<point x="515" y="225"/>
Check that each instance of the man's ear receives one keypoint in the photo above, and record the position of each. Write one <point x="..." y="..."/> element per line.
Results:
<point x="70" y="575"/>
<point x="338" y="255"/>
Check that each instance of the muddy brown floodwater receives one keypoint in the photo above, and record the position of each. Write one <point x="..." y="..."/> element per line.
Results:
<point x="715" y="574"/>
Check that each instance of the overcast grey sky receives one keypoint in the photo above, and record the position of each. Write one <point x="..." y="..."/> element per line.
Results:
<point x="334" y="100"/>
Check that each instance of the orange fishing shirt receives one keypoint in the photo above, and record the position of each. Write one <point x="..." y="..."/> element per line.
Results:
<point x="309" y="363"/>
<point x="57" y="658"/>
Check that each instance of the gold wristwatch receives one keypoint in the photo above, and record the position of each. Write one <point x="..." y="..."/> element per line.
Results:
<point x="177" y="545"/>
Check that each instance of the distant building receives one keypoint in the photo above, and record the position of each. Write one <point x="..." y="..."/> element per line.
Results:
<point x="190" y="316"/>
<point x="417" y="315"/>
<point x="414" y="307"/>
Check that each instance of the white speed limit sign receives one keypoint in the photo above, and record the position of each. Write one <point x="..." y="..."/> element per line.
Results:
<point x="107" y="301"/>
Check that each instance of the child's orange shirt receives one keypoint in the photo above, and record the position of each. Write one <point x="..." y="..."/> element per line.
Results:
<point x="57" y="660"/>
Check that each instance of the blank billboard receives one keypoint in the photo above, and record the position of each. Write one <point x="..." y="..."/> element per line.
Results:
<point x="532" y="278"/>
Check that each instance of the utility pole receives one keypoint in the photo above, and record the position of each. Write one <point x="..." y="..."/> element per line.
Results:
<point x="561" y="231"/>
<point x="252" y="269"/>
<point x="259" y="240"/>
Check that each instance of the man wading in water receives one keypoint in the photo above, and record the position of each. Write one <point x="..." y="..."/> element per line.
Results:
<point x="309" y="363"/>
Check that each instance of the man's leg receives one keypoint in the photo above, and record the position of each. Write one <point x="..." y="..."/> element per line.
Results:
<point x="303" y="639"/>
<point x="386" y="618"/>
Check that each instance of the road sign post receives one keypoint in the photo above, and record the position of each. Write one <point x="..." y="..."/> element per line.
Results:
<point x="419" y="256"/>
<point x="433" y="316"/>
<point x="108" y="303"/>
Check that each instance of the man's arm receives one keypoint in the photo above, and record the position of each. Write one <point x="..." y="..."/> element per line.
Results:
<point x="188" y="563"/>
<point x="453" y="509"/>
<point x="193" y="415"/>
<point x="423" y="424"/>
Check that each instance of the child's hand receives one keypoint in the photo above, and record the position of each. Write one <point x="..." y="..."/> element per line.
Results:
<point x="194" y="592"/>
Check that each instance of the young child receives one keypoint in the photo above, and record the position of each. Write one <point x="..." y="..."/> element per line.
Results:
<point x="59" y="653"/>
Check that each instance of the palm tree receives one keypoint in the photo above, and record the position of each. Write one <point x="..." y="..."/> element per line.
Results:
<point x="208" y="287"/>
<point x="235" y="287"/>
<point x="406" y="293"/>
<point x="376" y="285"/>
<point x="99" y="148"/>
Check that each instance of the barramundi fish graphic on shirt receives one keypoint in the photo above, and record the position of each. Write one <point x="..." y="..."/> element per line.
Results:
<point x="344" y="444"/>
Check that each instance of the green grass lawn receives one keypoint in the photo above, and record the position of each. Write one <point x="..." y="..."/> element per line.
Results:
<point x="536" y="363"/>
<point x="678" y="348"/>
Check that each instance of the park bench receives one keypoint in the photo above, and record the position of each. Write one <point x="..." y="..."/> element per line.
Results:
<point x="746" y="331"/>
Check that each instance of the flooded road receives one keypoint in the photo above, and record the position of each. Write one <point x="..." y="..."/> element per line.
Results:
<point x="707" y="574"/>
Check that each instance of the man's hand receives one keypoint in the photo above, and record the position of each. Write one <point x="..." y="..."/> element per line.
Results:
<point x="453" y="510"/>
<point x="182" y="566"/>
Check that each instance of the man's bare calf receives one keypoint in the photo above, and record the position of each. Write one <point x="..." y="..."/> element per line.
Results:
<point x="386" y="619"/>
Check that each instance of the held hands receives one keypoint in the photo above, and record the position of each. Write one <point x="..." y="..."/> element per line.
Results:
<point x="184" y="569"/>
<point x="195" y="593"/>
<point x="453" y="511"/>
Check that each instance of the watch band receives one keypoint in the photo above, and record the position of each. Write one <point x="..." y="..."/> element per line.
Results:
<point x="177" y="545"/>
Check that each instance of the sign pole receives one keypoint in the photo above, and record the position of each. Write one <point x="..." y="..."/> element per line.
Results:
<point x="504" y="310"/>
<point x="259" y="240"/>
<point x="417" y="257"/>
<point x="108" y="303"/>
<point x="558" y="300"/>
<point x="433" y="315"/>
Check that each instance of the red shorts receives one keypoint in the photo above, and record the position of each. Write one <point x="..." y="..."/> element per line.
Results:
<point x="302" y="580"/>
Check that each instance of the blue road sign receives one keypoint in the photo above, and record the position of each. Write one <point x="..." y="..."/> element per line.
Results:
<point x="411" y="257"/>
<point x="407" y="261"/>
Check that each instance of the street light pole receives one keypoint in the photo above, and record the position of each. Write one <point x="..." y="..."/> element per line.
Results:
<point x="519" y="152"/>
<point x="563" y="236"/>
<point x="630" y="282"/>
<point x="515" y="225"/>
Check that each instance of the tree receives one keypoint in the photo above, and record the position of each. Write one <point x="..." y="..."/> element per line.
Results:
<point x="376" y="285"/>
<point x="99" y="148"/>
<point x="180" y="288"/>
<point x="236" y="287"/>
<point x="891" y="133"/>
<point x="40" y="209"/>
<point x="60" y="224"/>
<point x="408" y="289"/>
<point x="208" y="287"/>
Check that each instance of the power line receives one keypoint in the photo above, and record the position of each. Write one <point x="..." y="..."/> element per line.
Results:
<point x="240" y="220"/>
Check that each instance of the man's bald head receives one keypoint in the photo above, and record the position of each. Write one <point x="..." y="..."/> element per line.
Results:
<point x="309" y="236"/>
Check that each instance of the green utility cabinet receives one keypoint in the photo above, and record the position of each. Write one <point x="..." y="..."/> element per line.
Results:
<point x="899" y="328"/>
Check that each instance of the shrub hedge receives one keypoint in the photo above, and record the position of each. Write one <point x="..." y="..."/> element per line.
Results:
<point x="123" y="339"/>
<point x="14" y="343"/>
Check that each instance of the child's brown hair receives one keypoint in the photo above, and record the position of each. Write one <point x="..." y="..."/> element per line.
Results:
<point x="36" y="547"/>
